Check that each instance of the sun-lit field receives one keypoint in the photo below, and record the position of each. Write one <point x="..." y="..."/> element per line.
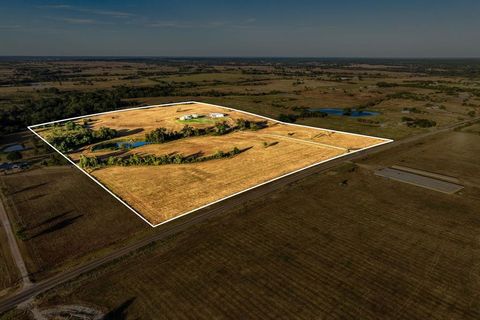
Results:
<point x="162" y="192"/>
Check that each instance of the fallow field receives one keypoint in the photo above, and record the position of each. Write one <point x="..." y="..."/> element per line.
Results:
<point x="342" y="244"/>
<point x="207" y="158"/>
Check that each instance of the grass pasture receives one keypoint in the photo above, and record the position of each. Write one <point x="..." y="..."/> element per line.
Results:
<point x="344" y="244"/>
<point x="160" y="193"/>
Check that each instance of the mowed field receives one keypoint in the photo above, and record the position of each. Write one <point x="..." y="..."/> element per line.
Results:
<point x="161" y="193"/>
<point x="62" y="218"/>
<point x="344" y="244"/>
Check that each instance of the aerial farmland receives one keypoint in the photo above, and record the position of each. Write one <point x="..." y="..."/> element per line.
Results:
<point x="168" y="160"/>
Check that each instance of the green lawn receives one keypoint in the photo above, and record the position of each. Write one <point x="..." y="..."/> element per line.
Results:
<point x="202" y="120"/>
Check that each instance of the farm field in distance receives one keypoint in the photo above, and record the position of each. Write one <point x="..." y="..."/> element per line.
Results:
<point x="167" y="160"/>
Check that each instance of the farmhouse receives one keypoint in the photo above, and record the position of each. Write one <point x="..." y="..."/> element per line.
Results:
<point x="217" y="115"/>
<point x="189" y="116"/>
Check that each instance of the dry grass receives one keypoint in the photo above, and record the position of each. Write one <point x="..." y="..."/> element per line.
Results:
<point x="167" y="117"/>
<point x="66" y="216"/>
<point x="318" y="249"/>
<point x="164" y="192"/>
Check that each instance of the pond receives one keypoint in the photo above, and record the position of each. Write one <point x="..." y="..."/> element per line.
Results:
<point x="119" y="145"/>
<point x="13" y="148"/>
<point x="131" y="145"/>
<point x="345" y="112"/>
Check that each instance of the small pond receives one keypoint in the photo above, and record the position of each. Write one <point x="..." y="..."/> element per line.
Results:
<point x="131" y="145"/>
<point x="13" y="148"/>
<point x="345" y="112"/>
<point x="119" y="145"/>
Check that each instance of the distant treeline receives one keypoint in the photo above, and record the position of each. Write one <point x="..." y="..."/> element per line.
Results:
<point x="441" y="86"/>
<point x="59" y="105"/>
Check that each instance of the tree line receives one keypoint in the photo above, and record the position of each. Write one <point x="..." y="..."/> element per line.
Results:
<point x="161" y="135"/>
<point x="66" y="104"/>
<point x="152" y="160"/>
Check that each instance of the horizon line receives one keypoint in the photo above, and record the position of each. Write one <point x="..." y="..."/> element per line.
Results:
<point x="242" y="57"/>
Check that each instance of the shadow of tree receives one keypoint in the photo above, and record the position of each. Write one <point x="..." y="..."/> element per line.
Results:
<point x="38" y="196"/>
<point x="116" y="153"/>
<point x="60" y="225"/>
<point x="53" y="218"/>
<point x="126" y="132"/>
<point x="30" y="187"/>
<point x="120" y="312"/>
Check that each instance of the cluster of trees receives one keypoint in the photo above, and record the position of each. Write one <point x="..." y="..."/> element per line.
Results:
<point x="421" y="123"/>
<point x="384" y="84"/>
<point x="59" y="106"/>
<point x="161" y="135"/>
<point x="242" y="124"/>
<point x="289" y="118"/>
<point x="408" y="96"/>
<point x="152" y="160"/>
<point x="305" y="113"/>
<point x="71" y="136"/>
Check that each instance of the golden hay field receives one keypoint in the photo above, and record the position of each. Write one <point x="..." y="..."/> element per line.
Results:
<point x="163" y="192"/>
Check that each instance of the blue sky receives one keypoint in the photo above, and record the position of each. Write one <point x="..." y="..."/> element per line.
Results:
<point x="300" y="28"/>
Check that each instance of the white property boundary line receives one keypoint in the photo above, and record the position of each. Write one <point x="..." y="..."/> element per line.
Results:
<point x="385" y="141"/>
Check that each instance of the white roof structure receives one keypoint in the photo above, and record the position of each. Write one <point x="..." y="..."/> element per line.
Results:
<point x="217" y="115"/>
<point x="186" y="117"/>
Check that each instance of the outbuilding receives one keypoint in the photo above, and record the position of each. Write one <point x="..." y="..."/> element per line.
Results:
<point x="217" y="115"/>
<point x="186" y="117"/>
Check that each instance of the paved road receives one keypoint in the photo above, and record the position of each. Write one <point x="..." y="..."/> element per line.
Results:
<point x="15" y="251"/>
<point x="182" y="223"/>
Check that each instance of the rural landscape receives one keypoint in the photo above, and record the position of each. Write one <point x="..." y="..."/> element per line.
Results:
<point x="389" y="231"/>
<point x="213" y="160"/>
<point x="168" y="160"/>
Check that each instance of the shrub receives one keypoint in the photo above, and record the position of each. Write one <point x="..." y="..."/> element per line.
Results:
<point x="289" y="118"/>
<point x="422" y="123"/>
<point x="386" y="84"/>
<point x="13" y="156"/>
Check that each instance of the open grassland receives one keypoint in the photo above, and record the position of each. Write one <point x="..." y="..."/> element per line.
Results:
<point x="161" y="193"/>
<point x="343" y="244"/>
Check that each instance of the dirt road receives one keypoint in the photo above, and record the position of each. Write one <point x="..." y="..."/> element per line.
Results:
<point x="15" y="251"/>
